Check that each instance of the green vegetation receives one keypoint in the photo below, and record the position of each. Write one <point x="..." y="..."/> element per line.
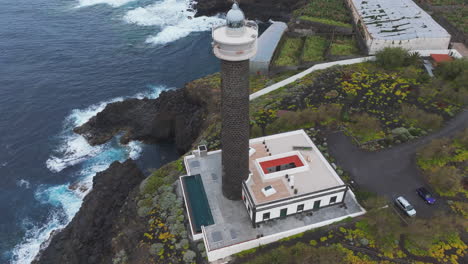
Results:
<point x="314" y="48"/>
<point x="335" y="10"/>
<point x="444" y="163"/>
<point x="289" y="52"/>
<point x="166" y="237"/>
<point x="258" y="82"/>
<point x="437" y="238"/>
<point x="325" y="21"/>
<point x="416" y="117"/>
<point x="377" y="105"/>
<point x="378" y="237"/>
<point x="446" y="2"/>
<point x="344" y="47"/>
<point x="450" y="87"/>
<point x="365" y="127"/>
<point x="458" y="16"/>
<point x="393" y="58"/>
<point x="455" y="11"/>
<point x="453" y="70"/>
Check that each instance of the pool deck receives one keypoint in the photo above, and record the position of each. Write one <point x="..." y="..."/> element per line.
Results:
<point x="232" y="224"/>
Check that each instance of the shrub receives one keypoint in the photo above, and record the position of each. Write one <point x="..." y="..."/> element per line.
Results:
<point x="327" y="115"/>
<point x="155" y="249"/>
<point x="435" y="154"/>
<point x="391" y="58"/>
<point x="445" y="179"/>
<point x="365" y="127"/>
<point x="462" y="138"/>
<point x="452" y="69"/>
<point x="419" y="118"/>
<point x="401" y="133"/>
<point x="189" y="256"/>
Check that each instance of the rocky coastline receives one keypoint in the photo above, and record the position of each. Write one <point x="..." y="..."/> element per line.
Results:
<point x="107" y="223"/>
<point x="107" y="228"/>
<point x="88" y="237"/>
<point x="173" y="116"/>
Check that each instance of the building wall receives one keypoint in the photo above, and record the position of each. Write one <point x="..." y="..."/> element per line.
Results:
<point x="375" y="45"/>
<point x="292" y="207"/>
<point x="230" y="250"/>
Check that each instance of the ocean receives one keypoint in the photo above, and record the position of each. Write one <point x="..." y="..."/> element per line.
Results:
<point x="61" y="62"/>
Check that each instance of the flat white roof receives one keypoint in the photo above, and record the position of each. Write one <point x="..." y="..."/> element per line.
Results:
<point x="314" y="176"/>
<point x="397" y="20"/>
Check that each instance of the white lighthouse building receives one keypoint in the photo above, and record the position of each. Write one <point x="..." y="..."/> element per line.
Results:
<point x="252" y="192"/>
<point x="235" y="43"/>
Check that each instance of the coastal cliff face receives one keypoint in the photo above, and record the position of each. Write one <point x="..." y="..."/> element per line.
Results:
<point x="108" y="228"/>
<point x="253" y="9"/>
<point x="88" y="237"/>
<point x="172" y="116"/>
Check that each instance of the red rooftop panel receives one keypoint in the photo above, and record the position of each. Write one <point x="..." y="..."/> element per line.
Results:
<point x="281" y="161"/>
<point x="441" y="58"/>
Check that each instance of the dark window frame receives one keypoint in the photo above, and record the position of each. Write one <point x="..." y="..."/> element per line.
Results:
<point x="300" y="208"/>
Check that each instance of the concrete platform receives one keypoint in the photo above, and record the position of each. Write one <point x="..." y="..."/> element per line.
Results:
<point x="232" y="224"/>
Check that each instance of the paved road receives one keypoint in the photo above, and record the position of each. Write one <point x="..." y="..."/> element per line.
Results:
<point x="393" y="171"/>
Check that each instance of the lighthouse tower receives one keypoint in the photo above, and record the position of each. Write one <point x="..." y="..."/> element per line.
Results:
<point x="235" y="43"/>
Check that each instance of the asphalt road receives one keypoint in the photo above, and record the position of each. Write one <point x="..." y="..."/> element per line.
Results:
<point x="392" y="172"/>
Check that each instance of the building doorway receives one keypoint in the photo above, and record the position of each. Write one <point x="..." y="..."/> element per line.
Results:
<point x="283" y="212"/>
<point x="316" y="205"/>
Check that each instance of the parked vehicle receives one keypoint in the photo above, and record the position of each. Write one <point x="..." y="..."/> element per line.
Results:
<point x="404" y="205"/>
<point x="426" y="195"/>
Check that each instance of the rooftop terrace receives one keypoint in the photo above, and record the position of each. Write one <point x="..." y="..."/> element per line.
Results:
<point x="315" y="174"/>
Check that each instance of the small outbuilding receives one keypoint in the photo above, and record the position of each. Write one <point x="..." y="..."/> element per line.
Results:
<point x="436" y="59"/>
<point x="267" y="44"/>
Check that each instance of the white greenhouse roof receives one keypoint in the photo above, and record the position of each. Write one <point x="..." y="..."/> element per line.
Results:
<point x="397" y="20"/>
<point x="268" y="41"/>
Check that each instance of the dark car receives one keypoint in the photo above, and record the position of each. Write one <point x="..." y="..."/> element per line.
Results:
<point x="426" y="195"/>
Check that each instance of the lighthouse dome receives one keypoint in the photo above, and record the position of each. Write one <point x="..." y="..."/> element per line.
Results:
<point x="235" y="17"/>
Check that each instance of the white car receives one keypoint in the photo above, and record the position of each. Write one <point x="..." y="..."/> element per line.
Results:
<point x="404" y="205"/>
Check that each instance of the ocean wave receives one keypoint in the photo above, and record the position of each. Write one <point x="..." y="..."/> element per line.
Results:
<point x="25" y="252"/>
<point x="113" y="3"/>
<point x="175" y="19"/>
<point x="73" y="150"/>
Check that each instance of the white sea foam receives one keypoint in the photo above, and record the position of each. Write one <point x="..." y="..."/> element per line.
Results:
<point x="74" y="150"/>
<point x="113" y="3"/>
<point x="23" y="184"/>
<point x="25" y="252"/>
<point x="175" y="19"/>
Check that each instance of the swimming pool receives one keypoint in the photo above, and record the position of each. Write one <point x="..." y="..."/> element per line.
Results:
<point x="197" y="202"/>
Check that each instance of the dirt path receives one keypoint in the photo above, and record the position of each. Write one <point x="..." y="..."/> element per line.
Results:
<point x="392" y="172"/>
